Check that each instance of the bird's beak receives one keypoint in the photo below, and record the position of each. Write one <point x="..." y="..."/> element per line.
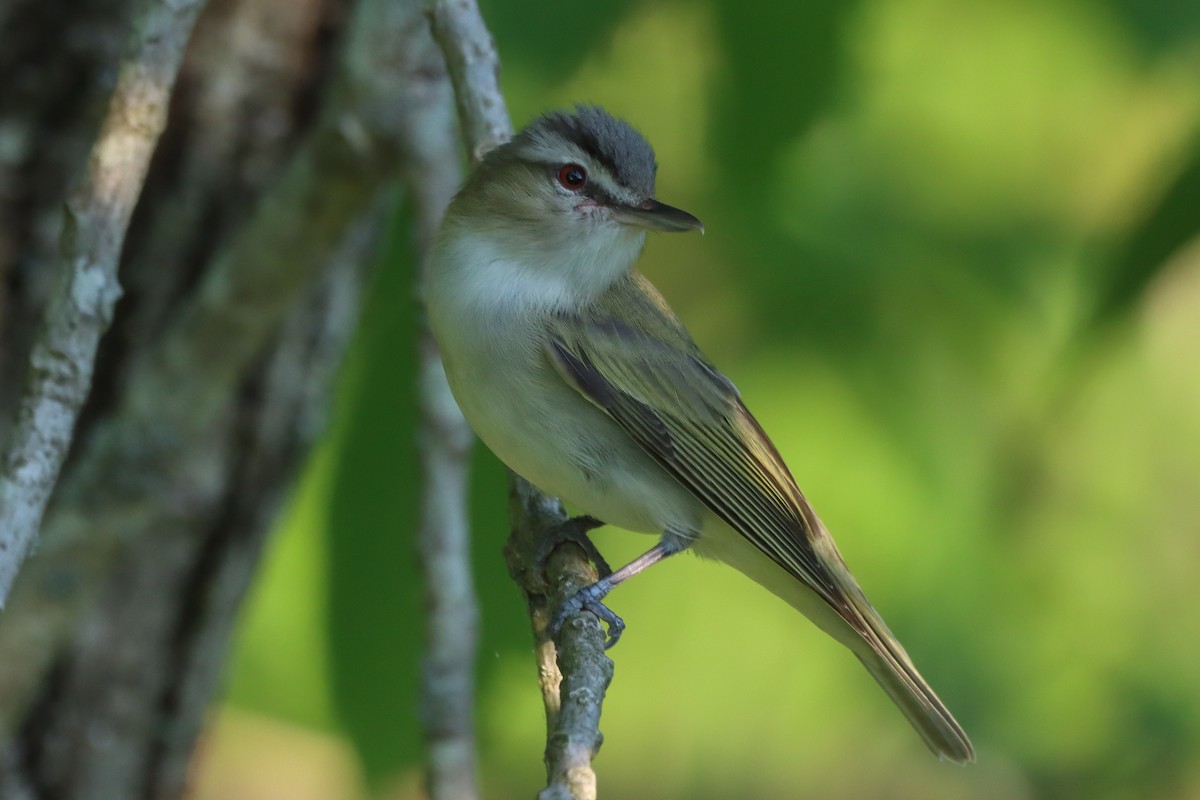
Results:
<point x="658" y="217"/>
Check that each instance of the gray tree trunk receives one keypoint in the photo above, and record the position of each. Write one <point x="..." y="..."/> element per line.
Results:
<point x="241" y="272"/>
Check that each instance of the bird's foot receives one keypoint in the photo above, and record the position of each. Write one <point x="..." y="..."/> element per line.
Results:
<point x="589" y="599"/>
<point x="574" y="530"/>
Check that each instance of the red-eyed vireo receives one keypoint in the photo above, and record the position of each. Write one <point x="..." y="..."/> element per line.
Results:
<point x="572" y="368"/>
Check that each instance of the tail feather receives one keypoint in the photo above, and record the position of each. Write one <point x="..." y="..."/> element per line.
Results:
<point x="853" y="622"/>
<point x="924" y="710"/>
<point x="892" y="669"/>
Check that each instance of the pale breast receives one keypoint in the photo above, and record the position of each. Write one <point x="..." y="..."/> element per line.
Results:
<point x="488" y="320"/>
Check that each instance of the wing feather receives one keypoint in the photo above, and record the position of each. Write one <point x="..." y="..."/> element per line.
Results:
<point x="653" y="381"/>
<point x="690" y="418"/>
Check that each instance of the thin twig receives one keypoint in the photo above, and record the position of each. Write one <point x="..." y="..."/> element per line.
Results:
<point x="430" y="161"/>
<point x="574" y="678"/>
<point x="80" y="309"/>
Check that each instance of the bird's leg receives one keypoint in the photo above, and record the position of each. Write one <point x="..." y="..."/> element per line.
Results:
<point x="574" y="530"/>
<point x="588" y="598"/>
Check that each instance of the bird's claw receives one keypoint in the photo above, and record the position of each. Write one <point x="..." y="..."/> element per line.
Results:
<point x="589" y="599"/>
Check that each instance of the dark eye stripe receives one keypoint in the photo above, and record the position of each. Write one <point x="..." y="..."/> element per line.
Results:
<point x="594" y="191"/>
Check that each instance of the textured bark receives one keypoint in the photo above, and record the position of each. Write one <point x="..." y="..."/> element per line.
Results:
<point x="81" y="304"/>
<point x="243" y="266"/>
<point x="475" y="71"/>
<point x="577" y="669"/>
<point x="242" y="106"/>
<point x="573" y="672"/>
<point x="119" y="714"/>
<point x="50" y="109"/>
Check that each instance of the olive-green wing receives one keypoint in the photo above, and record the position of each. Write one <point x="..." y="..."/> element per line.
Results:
<point x="629" y="355"/>
<point x="691" y="420"/>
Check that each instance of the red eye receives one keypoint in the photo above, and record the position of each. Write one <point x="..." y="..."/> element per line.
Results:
<point x="572" y="176"/>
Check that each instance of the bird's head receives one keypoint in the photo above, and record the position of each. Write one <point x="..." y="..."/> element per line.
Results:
<point x="572" y="187"/>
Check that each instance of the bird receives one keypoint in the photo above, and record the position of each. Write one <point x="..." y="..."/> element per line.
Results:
<point x="573" y="369"/>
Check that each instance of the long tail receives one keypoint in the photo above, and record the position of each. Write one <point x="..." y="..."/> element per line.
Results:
<point x="856" y="625"/>
<point x="884" y="657"/>
<point x="891" y="667"/>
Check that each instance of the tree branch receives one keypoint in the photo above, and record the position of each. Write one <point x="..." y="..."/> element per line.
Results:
<point x="474" y="68"/>
<point x="578" y="670"/>
<point x="575" y="676"/>
<point x="432" y="170"/>
<point x="81" y="306"/>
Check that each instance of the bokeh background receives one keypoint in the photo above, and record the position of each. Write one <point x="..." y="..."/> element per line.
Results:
<point x="952" y="263"/>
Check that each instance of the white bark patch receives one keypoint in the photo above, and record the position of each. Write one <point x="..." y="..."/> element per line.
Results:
<point x="81" y="307"/>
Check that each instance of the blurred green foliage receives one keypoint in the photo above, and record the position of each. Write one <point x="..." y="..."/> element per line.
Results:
<point x="952" y="263"/>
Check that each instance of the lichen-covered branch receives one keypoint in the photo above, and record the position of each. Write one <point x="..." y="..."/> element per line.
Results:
<point x="574" y="676"/>
<point x="80" y="309"/>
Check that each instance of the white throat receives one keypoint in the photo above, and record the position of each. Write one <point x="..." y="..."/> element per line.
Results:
<point x="485" y="268"/>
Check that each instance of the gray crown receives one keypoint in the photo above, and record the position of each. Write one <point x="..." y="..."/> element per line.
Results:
<point x="612" y="142"/>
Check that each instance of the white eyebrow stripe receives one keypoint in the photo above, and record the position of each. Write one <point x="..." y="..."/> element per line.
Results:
<point x="563" y="151"/>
